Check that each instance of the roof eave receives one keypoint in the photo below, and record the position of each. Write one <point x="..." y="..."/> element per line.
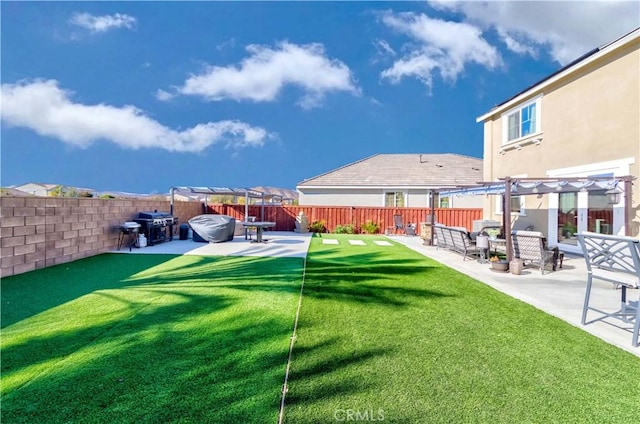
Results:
<point x="580" y="63"/>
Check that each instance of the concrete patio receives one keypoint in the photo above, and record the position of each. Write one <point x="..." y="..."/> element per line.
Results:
<point x="559" y="293"/>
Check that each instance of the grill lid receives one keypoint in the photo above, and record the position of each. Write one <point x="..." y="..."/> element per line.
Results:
<point x="154" y="215"/>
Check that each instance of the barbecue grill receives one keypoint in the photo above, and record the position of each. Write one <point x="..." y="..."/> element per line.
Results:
<point x="154" y="226"/>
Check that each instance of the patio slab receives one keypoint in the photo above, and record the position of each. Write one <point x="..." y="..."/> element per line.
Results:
<point x="279" y="244"/>
<point x="559" y="293"/>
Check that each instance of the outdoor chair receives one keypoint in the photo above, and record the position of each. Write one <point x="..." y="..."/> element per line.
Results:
<point x="399" y="225"/>
<point x="530" y="247"/>
<point x="250" y="231"/>
<point x="615" y="259"/>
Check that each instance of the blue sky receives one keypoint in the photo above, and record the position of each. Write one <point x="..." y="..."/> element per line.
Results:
<point x="142" y="96"/>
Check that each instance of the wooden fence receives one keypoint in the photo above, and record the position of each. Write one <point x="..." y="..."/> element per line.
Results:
<point x="285" y="215"/>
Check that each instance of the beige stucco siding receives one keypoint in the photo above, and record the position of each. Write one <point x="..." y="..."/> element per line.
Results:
<point x="590" y="116"/>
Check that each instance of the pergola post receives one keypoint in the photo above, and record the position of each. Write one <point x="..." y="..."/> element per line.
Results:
<point x="506" y="216"/>
<point x="432" y="210"/>
<point x="628" y="187"/>
<point x="171" y="200"/>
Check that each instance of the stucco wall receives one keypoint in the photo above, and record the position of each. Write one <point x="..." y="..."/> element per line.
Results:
<point x="415" y="198"/>
<point x="37" y="232"/>
<point x="588" y="118"/>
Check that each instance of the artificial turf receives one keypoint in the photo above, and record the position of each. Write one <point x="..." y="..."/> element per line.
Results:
<point x="388" y="335"/>
<point x="148" y="339"/>
<point x="384" y="334"/>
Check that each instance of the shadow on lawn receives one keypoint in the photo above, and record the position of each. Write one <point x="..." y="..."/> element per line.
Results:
<point x="163" y="341"/>
<point x="373" y="281"/>
<point x="29" y="294"/>
<point x="163" y="368"/>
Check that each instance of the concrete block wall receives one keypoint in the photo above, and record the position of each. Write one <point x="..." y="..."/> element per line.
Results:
<point x="37" y="232"/>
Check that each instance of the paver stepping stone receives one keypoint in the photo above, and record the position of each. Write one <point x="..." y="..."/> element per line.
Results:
<point x="330" y="241"/>
<point x="382" y="243"/>
<point x="357" y="243"/>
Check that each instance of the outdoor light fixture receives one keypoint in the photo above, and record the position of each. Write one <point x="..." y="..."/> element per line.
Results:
<point x="613" y="196"/>
<point x="535" y="188"/>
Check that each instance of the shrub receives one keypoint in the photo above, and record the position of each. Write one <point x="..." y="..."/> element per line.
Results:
<point x="370" y="227"/>
<point x="318" y="226"/>
<point x="345" y="229"/>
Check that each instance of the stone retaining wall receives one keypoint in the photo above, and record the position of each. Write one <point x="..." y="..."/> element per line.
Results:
<point x="37" y="232"/>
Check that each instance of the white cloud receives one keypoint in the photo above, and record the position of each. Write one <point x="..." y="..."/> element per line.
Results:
<point x="45" y="108"/>
<point x="384" y="48"/>
<point x="104" y="23"/>
<point x="163" y="95"/>
<point x="263" y="75"/>
<point x="568" y="29"/>
<point x="437" y="45"/>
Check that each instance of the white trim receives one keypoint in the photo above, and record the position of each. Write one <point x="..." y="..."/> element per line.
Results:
<point x="498" y="205"/>
<point x="366" y="187"/>
<point x="504" y="118"/>
<point x="606" y="50"/>
<point x="618" y="167"/>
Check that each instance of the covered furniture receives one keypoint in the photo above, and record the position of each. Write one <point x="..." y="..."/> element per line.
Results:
<point x="615" y="259"/>
<point x="530" y="247"/>
<point x="212" y="228"/>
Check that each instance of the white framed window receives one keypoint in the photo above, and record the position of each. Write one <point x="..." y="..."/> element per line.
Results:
<point x="444" y="202"/>
<point x="517" y="202"/>
<point x="394" y="199"/>
<point x="522" y="121"/>
<point x="517" y="205"/>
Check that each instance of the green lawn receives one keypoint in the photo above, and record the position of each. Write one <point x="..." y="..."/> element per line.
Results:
<point x="384" y="334"/>
<point x="148" y="339"/>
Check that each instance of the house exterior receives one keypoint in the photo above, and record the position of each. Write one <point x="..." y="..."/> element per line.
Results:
<point x="582" y="121"/>
<point x="36" y="189"/>
<point x="40" y="189"/>
<point x="394" y="180"/>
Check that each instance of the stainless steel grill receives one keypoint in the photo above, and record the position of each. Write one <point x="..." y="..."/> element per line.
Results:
<point x="156" y="226"/>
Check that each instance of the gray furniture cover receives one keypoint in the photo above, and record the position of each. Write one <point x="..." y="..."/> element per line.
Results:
<point x="212" y="228"/>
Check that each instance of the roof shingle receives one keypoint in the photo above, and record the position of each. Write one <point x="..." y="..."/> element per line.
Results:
<point x="403" y="170"/>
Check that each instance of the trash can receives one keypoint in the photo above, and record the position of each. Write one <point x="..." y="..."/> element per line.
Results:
<point x="184" y="231"/>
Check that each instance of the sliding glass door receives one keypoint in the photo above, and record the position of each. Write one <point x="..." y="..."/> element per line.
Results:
<point x="583" y="211"/>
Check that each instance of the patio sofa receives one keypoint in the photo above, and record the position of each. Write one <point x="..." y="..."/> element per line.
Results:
<point x="456" y="239"/>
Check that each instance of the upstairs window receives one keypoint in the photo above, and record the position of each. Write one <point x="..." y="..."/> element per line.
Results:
<point x="523" y="121"/>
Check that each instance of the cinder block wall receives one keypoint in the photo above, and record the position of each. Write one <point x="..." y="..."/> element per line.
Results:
<point x="37" y="232"/>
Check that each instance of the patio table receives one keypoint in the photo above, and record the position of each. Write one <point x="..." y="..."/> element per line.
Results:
<point x="495" y="242"/>
<point x="259" y="226"/>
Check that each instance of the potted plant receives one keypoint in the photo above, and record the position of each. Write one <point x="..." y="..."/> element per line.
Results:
<point x="493" y="233"/>
<point x="498" y="264"/>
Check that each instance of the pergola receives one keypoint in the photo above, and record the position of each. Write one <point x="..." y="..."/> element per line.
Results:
<point x="507" y="187"/>
<point x="222" y="191"/>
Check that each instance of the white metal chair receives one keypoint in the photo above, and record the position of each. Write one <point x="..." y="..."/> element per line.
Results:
<point x="614" y="259"/>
